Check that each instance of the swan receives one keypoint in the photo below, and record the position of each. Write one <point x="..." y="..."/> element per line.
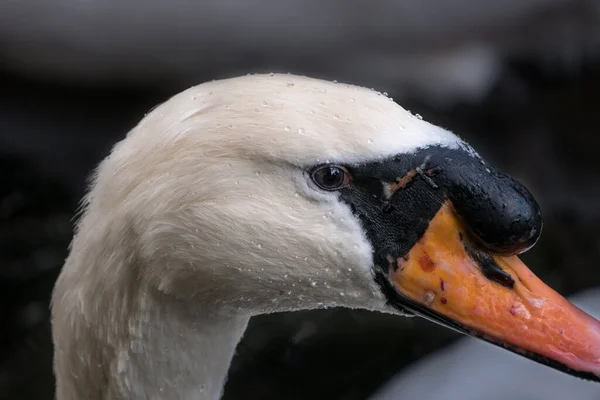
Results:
<point x="269" y="193"/>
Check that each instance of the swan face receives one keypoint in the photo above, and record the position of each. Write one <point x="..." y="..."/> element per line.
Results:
<point x="276" y="192"/>
<point x="242" y="210"/>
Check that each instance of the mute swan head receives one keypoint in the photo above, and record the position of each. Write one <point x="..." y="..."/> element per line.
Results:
<point x="271" y="193"/>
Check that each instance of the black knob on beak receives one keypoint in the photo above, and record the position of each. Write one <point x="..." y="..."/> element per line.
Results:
<point x="500" y="212"/>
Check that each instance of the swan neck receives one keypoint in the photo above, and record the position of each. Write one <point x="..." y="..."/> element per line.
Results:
<point x="132" y="342"/>
<point x="186" y="352"/>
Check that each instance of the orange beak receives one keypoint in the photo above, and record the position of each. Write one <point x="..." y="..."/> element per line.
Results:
<point x="446" y="279"/>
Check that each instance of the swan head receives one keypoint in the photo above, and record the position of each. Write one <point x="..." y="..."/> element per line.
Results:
<point x="267" y="193"/>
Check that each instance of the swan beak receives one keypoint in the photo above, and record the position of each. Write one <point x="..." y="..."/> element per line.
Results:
<point x="444" y="278"/>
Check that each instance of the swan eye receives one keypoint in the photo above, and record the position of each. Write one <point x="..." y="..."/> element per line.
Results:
<point x="331" y="177"/>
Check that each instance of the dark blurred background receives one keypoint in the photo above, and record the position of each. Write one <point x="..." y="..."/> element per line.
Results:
<point x="519" y="80"/>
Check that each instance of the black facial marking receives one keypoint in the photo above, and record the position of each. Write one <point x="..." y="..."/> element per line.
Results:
<point x="396" y="198"/>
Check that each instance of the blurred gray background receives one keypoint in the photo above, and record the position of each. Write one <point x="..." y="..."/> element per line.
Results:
<point x="518" y="79"/>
